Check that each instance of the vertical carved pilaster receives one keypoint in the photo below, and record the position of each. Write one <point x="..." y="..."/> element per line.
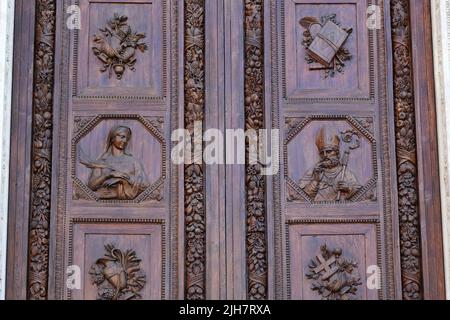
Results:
<point x="194" y="80"/>
<point x="254" y="119"/>
<point x="41" y="165"/>
<point x="410" y="252"/>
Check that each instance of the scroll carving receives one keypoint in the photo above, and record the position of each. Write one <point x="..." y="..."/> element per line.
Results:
<point x="333" y="276"/>
<point x="194" y="78"/>
<point x="118" y="275"/>
<point x="410" y="251"/>
<point x="255" y="181"/>
<point x="117" y="45"/>
<point x="324" y="41"/>
<point x="41" y="166"/>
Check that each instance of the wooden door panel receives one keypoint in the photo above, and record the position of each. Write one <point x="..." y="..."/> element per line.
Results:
<point x="118" y="107"/>
<point x="144" y="75"/>
<point x="355" y="194"/>
<point x="319" y="252"/>
<point x="354" y="79"/>
<point x="99" y="248"/>
<point x="89" y="143"/>
<point x="336" y="199"/>
<point x="301" y="146"/>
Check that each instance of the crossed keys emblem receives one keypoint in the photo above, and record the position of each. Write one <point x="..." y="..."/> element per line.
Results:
<point x="324" y="41"/>
<point x="334" y="277"/>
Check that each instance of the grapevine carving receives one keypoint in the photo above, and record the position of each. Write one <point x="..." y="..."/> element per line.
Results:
<point x="254" y="120"/>
<point x="42" y="150"/>
<point x="194" y="77"/>
<point x="406" y="152"/>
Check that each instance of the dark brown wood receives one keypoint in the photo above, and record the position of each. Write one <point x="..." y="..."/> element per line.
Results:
<point x="194" y="81"/>
<point x="358" y="182"/>
<point x="255" y="180"/>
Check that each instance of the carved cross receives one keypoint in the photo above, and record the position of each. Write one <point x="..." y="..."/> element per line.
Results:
<point x="325" y="265"/>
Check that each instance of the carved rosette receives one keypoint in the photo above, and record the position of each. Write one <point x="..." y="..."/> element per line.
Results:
<point x="194" y="79"/>
<point x="118" y="275"/>
<point x="254" y="120"/>
<point x="41" y="165"/>
<point x="406" y="152"/>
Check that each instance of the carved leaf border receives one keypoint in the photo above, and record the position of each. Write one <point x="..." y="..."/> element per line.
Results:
<point x="194" y="201"/>
<point x="410" y="251"/>
<point x="41" y="165"/>
<point x="254" y="119"/>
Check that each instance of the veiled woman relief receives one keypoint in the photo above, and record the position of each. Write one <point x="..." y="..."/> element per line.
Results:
<point x="117" y="174"/>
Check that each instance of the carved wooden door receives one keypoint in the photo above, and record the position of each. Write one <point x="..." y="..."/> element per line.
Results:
<point x="115" y="201"/>
<point x="352" y="212"/>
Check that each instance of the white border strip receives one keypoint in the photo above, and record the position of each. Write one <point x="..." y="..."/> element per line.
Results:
<point x="6" y="66"/>
<point x="441" y="51"/>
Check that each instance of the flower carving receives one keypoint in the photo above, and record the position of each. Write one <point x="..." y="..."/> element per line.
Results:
<point x="118" y="275"/>
<point x="117" y="45"/>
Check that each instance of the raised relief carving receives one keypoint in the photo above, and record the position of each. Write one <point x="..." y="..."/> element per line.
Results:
<point x="41" y="164"/>
<point x="194" y="199"/>
<point x="254" y="120"/>
<point x="330" y="179"/>
<point x="324" y="41"/>
<point x="409" y="219"/>
<point x="118" y="275"/>
<point x="339" y="168"/>
<point x="116" y="174"/>
<point x="117" y="45"/>
<point x="333" y="276"/>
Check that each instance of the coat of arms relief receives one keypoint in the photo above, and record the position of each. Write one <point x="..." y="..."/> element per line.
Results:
<point x="333" y="276"/>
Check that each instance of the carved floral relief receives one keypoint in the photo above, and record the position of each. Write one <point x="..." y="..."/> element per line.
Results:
<point x="116" y="46"/>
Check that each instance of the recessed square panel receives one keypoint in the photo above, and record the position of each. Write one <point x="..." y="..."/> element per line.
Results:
<point x="330" y="159"/>
<point x="119" y="53"/>
<point x="118" y="261"/>
<point x="326" y="50"/>
<point x="331" y="261"/>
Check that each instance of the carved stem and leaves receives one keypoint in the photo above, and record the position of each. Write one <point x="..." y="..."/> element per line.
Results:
<point x="41" y="165"/>
<point x="254" y="120"/>
<point x="406" y="152"/>
<point x="194" y="79"/>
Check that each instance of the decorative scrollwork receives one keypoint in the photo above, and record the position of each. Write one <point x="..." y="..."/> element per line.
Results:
<point x="334" y="277"/>
<point x="194" y="77"/>
<point x="118" y="275"/>
<point x="406" y="152"/>
<point x="41" y="166"/>
<point x="116" y="46"/>
<point x="254" y="120"/>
